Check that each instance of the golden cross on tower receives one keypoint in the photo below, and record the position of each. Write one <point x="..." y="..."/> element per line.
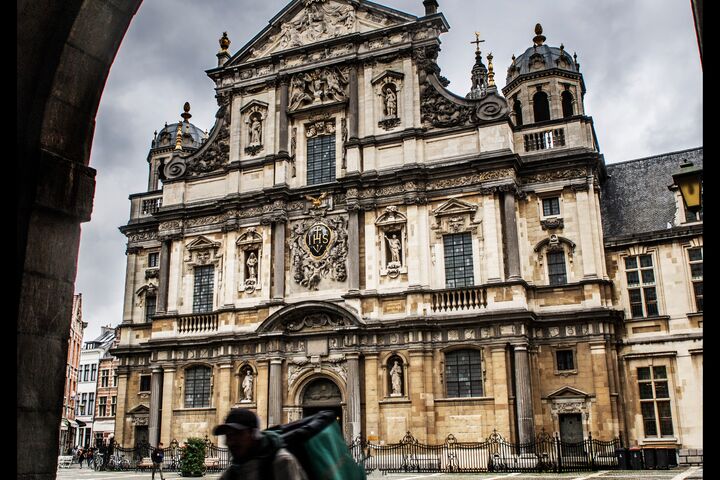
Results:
<point x="477" y="41"/>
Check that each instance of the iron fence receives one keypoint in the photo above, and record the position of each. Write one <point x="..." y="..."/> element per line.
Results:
<point x="495" y="454"/>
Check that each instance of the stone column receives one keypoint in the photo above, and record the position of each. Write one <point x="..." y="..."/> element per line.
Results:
<point x="121" y="436"/>
<point x="586" y="226"/>
<point x="278" y="264"/>
<point x="155" y="400"/>
<point x="499" y="390"/>
<point x="261" y="391"/>
<point x="414" y="372"/>
<point x="510" y="236"/>
<point x="275" y="394"/>
<point x="353" y="107"/>
<point x="164" y="277"/>
<point x="373" y="393"/>
<point x="168" y="396"/>
<point x="523" y="395"/>
<point x="283" y="130"/>
<point x="353" y="257"/>
<point x="353" y="395"/>
<point x="603" y="415"/>
<point x="130" y="269"/>
<point x="223" y="395"/>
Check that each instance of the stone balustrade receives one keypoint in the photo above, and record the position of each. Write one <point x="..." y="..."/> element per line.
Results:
<point x="197" y="323"/>
<point x="458" y="299"/>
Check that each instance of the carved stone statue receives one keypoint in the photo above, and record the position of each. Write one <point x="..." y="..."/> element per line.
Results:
<point x="247" y="386"/>
<point x="255" y="131"/>
<point x="390" y="103"/>
<point x="251" y="264"/>
<point x="395" y="247"/>
<point x="395" y="373"/>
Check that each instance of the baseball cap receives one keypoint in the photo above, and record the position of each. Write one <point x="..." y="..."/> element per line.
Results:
<point x="237" y="419"/>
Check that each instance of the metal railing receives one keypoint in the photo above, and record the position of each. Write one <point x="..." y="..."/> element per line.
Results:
<point x="544" y="140"/>
<point x="494" y="454"/>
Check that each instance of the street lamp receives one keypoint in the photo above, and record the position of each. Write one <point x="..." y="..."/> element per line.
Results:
<point x="689" y="180"/>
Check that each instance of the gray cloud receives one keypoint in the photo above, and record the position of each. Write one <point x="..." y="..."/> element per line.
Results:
<point x="639" y="59"/>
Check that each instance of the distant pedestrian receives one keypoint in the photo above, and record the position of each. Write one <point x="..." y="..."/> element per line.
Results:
<point x="157" y="456"/>
<point x="80" y="456"/>
<point x="89" y="457"/>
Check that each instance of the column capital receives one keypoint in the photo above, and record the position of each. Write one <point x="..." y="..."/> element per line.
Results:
<point x="520" y="346"/>
<point x="352" y="356"/>
<point x="276" y="361"/>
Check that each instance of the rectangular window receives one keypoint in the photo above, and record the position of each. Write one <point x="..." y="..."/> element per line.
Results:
<point x="115" y="378"/>
<point x="83" y="403"/>
<point x="85" y="372"/>
<point x="551" y="206"/>
<point x="104" y="378"/>
<point x="565" y="360"/>
<point x="113" y="406"/>
<point x="150" y="307"/>
<point x="556" y="268"/>
<point x="153" y="259"/>
<point x="197" y="387"/>
<point x="203" y="292"/>
<point x="696" y="273"/>
<point x="102" y="406"/>
<point x="458" y="260"/>
<point x="144" y="383"/>
<point x="321" y="159"/>
<point x="641" y="286"/>
<point x="463" y="371"/>
<point x="91" y="403"/>
<point x="655" y="401"/>
<point x="93" y="372"/>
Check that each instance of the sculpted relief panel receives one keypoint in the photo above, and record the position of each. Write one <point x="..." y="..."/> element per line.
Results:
<point x="319" y="86"/>
<point x="319" y="250"/>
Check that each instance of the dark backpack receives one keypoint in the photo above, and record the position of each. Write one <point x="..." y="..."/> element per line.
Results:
<point x="157" y="455"/>
<point x="320" y="448"/>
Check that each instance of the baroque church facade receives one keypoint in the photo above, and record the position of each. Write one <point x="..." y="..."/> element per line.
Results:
<point x="353" y="236"/>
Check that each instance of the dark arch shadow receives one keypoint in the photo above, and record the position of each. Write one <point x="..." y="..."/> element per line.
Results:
<point x="65" y="49"/>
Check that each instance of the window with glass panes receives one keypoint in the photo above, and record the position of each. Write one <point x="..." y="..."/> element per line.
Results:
<point x="104" y="377"/>
<point x="463" y="374"/>
<point x="655" y="401"/>
<point x="641" y="286"/>
<point x="153" y="259"/>
<point x="91" y="403"/>
<point x="458" y="260"/>
<point x="551" y="206"/>
<point x="102" y="406"/>
<point x="203" y="292"/>
<point x="696" y="274"/>
<point x="565" y="360"/>
<point x="113" y="405"/>
<point x="144" y="383"/>
<point x="321" y="159"/>
<point x="197" y="387"/>
<point x="93" y="371"/>
<point x="150" y="307"/>
<point x="556" y="267"/>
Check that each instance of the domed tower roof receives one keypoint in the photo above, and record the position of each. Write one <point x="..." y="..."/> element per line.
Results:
<point x="166" y="136"/>
<point x="541" y="58"/>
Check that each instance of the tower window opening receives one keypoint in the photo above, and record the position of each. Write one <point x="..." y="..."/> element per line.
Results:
<point x="541" y="107"/>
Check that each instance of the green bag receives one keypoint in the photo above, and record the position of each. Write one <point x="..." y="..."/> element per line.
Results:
<point x="330" y="458"/>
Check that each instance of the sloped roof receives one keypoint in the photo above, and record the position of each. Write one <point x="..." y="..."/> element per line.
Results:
<point x="635" y="197"/>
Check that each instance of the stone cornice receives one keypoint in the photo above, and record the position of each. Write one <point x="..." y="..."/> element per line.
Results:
<point x="657" y="236"/>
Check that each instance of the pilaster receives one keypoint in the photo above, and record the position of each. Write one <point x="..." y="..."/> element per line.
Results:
<point x="155" y="401"/>
<point x="168" y="396"/>
<point x="510" y="236"/>
<point x="523" y="395"/>
<point x="275" y="393"/>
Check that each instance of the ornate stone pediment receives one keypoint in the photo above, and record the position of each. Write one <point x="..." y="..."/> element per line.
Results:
<point x="305" y="22"/>
<point x="568" y="392"/>
<point x="454" y="216"/>
<point x="202" y="251"/>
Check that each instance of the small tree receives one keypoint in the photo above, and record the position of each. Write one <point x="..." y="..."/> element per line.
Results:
<point x="193" y="458"/>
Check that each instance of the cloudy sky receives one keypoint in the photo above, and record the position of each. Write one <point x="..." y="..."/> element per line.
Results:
<point x="639" y="59"/>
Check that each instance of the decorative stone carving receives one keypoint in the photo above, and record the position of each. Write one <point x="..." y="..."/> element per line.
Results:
<point x="392" y="236"/>
<point x="317" y="87"/>
<point x="318" y="21"/>
<point x="214" y="154"/>
<point x="565" y="174"/>
<point x="554" y="243"/>
<point x="255" y="114"/>
<point x="202" y="251"/>
<point x="387" y="86"/>
<point x="314" y="321"/>
<point x="554" y="331"/>
<point x="552" y="223"/>
<point x="454" y="216"/>
<point x="250" y="253"/>
<point x="318" y="251"/>
<point x="142" y="236"/>
<point x="396" y="379"/>
<point x="323" y="127"/>
<point x="247" y="385"/>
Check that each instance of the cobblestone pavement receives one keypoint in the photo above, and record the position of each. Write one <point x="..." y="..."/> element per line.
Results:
<point x="682" y="473"/>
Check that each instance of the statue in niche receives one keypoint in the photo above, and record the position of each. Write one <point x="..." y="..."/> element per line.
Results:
<point x="390" y="103"/>
<point x="251" y="265"/>
<point x="255" y="130"/>
<point x="395" y="248"/>
<point x="395" y="378"/>
<point x="247" y="386"/>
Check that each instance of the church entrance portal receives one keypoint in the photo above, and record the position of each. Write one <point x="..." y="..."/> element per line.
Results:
<point x="322" y="394"/>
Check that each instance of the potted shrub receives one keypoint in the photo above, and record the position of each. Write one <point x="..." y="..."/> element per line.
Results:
<point x="193" y="458"/>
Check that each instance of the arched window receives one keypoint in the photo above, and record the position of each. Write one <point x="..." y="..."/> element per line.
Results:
<point x="517" y="108"/>
<point x="541" y="107"/>
<point x="463" y="373"/>
<point x="567" y="104"/>
<point x="197" y="387"/>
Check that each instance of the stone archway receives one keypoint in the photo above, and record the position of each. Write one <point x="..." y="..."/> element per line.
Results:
<point x="65" y="49"/>
<point x="321" y="393"/>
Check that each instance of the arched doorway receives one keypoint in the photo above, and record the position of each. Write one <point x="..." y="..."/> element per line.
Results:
<point x="322" y="394"/>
